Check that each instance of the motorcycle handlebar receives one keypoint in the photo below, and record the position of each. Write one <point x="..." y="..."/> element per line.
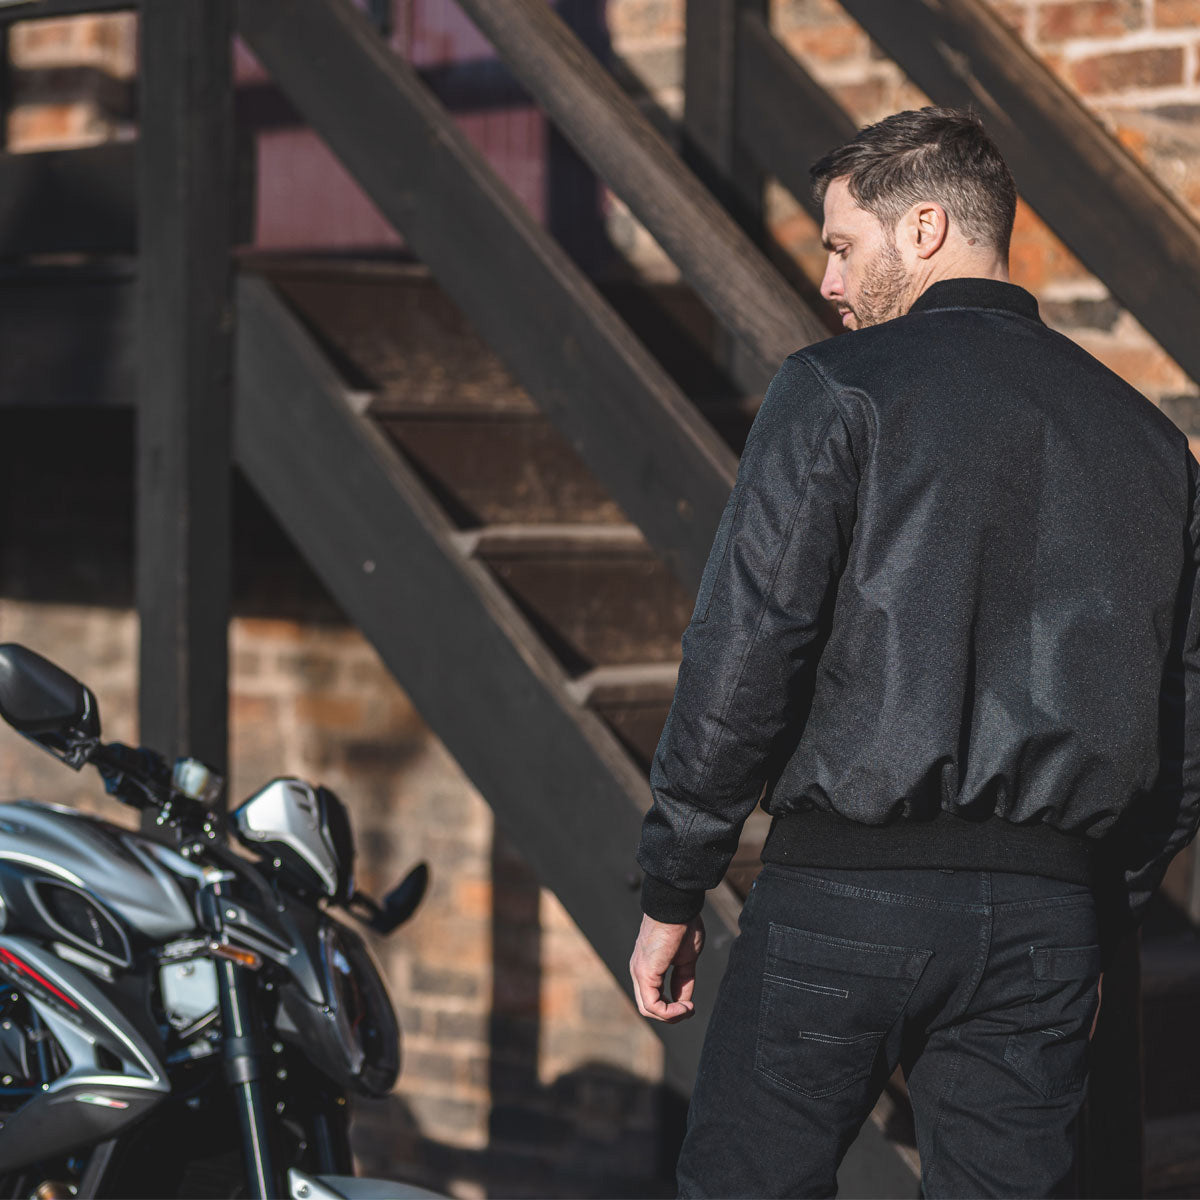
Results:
<point x="137" y="776"/>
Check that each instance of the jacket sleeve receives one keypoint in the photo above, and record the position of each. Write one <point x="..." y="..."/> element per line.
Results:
<point x="750" y="650"/>
<point x="1156" y="829"/>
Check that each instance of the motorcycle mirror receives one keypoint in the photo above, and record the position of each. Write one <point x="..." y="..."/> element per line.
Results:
<point x="47" y="705"/>
<point x="401" y="902"/>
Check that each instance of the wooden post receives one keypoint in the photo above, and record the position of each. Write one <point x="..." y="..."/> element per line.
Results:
<point x="184" y="386"/>
<point x="772" y="88"/>
<point x="712" y="147"/>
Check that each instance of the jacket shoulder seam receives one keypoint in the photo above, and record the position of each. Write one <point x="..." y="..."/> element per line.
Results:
<point x="839" y="406"/>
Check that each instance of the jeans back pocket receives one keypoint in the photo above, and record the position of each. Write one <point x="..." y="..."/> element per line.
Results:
<point x="827" y="1003"/>
<point x="1050" y="1051"/>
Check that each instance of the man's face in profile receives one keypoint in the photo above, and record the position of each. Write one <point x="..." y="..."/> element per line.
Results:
<point x="865" y="276"/>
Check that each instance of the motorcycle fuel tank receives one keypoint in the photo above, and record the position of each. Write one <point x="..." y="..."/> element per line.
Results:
<point x="123" y="871"/>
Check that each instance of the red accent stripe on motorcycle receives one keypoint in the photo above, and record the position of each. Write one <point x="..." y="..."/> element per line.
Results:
<point x="16" y="962"/>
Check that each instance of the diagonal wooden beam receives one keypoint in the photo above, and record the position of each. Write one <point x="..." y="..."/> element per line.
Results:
<point x="712" y="147"/>
<point x="1121" y="223"/>
<point x="715" y="255"/>
<point x="633" y="427"/>
<point x="561" y="785"/>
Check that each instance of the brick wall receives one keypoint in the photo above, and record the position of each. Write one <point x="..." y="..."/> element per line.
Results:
<point x="71" y="81"/>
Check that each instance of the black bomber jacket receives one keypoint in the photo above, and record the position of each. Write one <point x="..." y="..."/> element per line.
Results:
<point x="947" y="620"/>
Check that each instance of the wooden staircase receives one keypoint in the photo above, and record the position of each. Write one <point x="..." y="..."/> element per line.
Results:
<point x="521" y="500"/>
<point x="519" y="529"/>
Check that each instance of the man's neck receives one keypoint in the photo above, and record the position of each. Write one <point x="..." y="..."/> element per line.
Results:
<point x="966" y="266"/>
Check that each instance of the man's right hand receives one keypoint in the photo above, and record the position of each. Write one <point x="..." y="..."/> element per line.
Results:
<point x="661" y="948"/>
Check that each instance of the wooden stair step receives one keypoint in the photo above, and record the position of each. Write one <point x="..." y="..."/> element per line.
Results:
<point x="388" y="325"/>
<point x="390" y="322"/>
<point x="596" y="593"/>
<point x="505" y="468"/>
<point x="633" y="700"/>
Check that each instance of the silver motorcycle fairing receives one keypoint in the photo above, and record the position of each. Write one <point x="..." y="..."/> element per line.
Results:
<point x="92" y="1099"/>
<point x="123" y="871"/>
<point x="287" y="813"/>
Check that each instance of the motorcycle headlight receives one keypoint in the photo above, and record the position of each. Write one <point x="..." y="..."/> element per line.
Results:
<point x="361" y="1013"/>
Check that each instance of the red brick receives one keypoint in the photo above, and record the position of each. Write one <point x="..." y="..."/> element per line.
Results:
<point x="271" y="629"/>
<point x="827" y="43"/>
<point x="253" y="710"/>
<point x="645" y="19"/>
<point x="787" y="15"/>
<point x="1088" y="18"/>
<point x="473" y="898"/>
<point x="35" y="127"/>
<point x="1160" y="66"/>
<point x="1176" y="14"/>
<point x="862" y="100"/>
<point x="1144" y="367"/>
<point x="560" y="1001"/>
<point x="1037" y="256"/>
<point x="330" y="712"/>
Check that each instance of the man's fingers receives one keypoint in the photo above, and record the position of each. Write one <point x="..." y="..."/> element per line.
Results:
<point x="648" y="992"/>
<point x="683" y="982"/>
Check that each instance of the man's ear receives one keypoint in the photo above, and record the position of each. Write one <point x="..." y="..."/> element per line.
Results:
<point x="927" y="226"/>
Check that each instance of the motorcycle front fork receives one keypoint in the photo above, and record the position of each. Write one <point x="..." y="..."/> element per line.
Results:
<point x="241" y="1050"/>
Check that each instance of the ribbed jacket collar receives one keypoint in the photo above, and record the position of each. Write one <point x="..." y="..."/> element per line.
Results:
<point x="978" y="293"/>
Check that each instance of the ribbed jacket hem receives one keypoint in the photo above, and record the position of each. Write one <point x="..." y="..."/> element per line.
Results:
<point x="823" y="839"/>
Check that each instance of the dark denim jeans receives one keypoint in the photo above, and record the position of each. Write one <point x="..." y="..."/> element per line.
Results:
<point x="981" y="985"/>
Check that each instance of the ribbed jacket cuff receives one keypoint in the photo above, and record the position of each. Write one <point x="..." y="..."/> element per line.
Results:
<point x="669" y="904"/>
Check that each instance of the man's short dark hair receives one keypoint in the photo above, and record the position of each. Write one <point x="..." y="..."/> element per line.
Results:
<point x="938" y="154"/>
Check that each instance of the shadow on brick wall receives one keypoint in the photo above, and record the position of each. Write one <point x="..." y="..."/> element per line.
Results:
<point x="596" y="1130"/>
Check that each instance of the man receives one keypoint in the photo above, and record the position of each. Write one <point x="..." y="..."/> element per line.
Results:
<point x="946" y="633"/>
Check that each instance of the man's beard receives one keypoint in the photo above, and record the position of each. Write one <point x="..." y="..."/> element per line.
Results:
<point x="883" y="291"/>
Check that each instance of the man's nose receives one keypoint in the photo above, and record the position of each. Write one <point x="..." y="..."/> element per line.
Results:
<point x="831" y="285"/>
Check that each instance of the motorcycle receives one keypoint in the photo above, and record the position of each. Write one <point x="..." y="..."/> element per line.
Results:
<point x="177" y="1018"/>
